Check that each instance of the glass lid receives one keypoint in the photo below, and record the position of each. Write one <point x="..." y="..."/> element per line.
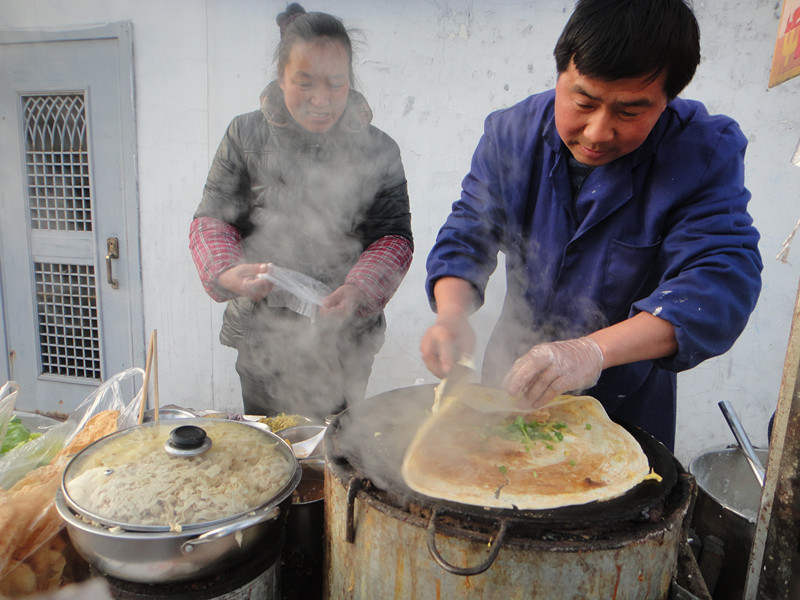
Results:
<point x="168" y="475"/>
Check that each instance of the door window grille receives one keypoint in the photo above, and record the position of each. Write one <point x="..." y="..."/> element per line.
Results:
<point x="57" y="160"/>
<point x="60" y="203"/>
<point x="67" y="310"/>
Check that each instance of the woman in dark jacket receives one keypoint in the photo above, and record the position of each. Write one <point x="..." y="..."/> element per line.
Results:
<point x="307" y="186"/>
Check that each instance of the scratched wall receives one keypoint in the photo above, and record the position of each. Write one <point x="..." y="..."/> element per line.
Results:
<point x="432" y="70"/>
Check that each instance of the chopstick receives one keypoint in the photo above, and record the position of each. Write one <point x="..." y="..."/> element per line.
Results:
<point x="146" y="382"/>
<point x="155" y="374"/>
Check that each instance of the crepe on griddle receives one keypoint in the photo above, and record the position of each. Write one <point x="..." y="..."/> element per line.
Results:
<point x="566" y="453"/>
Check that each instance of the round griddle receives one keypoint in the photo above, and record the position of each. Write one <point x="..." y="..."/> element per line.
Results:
<point x="371" y="438"/>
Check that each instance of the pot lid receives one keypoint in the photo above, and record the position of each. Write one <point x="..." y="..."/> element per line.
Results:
<point x="168" y="475"/>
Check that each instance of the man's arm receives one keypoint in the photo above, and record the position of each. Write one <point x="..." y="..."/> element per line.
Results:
<point x="642" y="337"/>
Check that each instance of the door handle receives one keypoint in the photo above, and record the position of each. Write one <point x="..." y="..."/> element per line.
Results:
<point x="112" y="247"/>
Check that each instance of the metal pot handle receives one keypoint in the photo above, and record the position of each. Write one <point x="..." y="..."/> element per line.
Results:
<point x="220" y="532"/>
<point x="498" y="542"/>
<point x="353" y="486"/>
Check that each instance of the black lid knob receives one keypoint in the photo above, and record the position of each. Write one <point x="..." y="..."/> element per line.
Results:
<point x="187" y="437"/>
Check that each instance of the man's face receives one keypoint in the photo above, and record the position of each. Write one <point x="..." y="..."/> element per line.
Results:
<point x="316" y="83"/>
<point x="599" y="121"/>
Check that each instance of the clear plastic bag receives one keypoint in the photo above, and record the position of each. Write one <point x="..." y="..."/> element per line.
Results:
<point x="295" y="291"/>
<point x="16" y="463"/>
<point x="8" y="400"/>
<point x="29" y="552"/>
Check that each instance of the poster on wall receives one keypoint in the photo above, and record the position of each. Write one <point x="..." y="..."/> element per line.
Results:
<point x="786" y="58"/>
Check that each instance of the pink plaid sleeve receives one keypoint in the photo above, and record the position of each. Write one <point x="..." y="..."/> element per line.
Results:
<point x="215" y="247"/>
<point x="379" y="271"/>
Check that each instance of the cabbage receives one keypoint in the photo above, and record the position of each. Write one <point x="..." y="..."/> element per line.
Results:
<point x="16" y="434"/>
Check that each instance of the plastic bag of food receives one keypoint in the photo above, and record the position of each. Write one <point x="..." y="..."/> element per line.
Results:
<point x="28" y="517"/>
<point x="20" y="449"/>
<point x="8" y="399"/>
<point x="16" y="435"/>
<point x="40" y="451"/>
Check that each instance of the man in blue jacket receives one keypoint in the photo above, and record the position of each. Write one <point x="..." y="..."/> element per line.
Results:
<point x="622" y="213"/>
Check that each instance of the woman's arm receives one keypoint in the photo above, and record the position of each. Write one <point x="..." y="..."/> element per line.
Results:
<point x="215" y="247"/>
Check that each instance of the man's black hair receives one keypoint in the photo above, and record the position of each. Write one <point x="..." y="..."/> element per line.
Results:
<point x="618" y="39"/>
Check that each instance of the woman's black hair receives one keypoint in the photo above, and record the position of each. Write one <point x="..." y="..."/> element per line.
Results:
<point x="298" y="25"/>
<point x="618" y="39"/>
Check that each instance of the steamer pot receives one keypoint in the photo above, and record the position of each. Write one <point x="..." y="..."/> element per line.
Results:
<point x="724" y="517"/>
<point x="149" y="553"/>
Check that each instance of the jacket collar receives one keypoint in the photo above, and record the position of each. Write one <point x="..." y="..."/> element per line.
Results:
<point x="356" y="117"/>
<point x="614" y="188"/>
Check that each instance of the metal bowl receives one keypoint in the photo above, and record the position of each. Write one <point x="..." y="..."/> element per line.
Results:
<point x="170" y="412"/>
<point x="316" y="460"/>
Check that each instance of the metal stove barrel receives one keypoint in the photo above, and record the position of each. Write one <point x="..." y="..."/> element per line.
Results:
<point x="376" y="525"/>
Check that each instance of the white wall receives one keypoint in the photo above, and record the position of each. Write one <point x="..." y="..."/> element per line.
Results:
<point x="432" y="70"/>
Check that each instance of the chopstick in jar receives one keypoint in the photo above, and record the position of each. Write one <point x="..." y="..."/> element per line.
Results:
<point x="155" y="374"/>
<point x="146" y="381"/>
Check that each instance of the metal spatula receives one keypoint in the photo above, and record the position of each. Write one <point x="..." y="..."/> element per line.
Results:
<point x="462" y="372"/>
<point x="744" y="441"/>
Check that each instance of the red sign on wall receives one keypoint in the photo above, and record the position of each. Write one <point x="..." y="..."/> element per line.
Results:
<point x="786" y="59"/>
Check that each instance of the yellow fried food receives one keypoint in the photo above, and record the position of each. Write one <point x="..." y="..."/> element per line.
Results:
<point x="282" y="421"/>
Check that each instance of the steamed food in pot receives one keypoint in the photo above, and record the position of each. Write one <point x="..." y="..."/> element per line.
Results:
<point x="133" y="480"/>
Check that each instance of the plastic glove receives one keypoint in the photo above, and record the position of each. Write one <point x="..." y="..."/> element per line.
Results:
<point x="554" y="368"/>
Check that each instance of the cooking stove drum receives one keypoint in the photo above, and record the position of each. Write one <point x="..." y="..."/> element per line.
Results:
<point x="255" y="578"/>
<point x="365" y="446"/>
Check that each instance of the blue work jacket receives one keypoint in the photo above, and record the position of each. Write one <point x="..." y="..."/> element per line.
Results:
<point x="663" y="229"/>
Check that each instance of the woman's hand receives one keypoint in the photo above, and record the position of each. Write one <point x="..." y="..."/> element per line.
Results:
<point x="554" y="368"/>
<point x="344" y="302"/>
<point x="244" y="280"/>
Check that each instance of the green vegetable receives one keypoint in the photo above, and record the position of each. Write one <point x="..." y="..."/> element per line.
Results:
<point x="528" y="432"/>
<point x="16" y="434"/>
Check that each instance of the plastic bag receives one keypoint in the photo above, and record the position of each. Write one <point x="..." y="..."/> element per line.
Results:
<point x="8" y="399"/>
<point x="14" y="465"/>
<point x="295" y="291"/>
<point x="18" y="461"/>
<point x="28" y="517"/>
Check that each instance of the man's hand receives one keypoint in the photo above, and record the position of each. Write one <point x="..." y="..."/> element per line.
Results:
<point x="244" y="280"/>
<point x="344" y="302"/>
<point x="452" y="337"/>
<point x="444" y="344"/>
<point x="554" y="368"/>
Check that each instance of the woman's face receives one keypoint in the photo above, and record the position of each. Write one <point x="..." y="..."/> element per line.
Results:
<point x="316" y="83"/>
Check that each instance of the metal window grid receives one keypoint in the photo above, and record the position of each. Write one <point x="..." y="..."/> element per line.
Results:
<point x="69" y="338"/>
<point x="57" y="161"/>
